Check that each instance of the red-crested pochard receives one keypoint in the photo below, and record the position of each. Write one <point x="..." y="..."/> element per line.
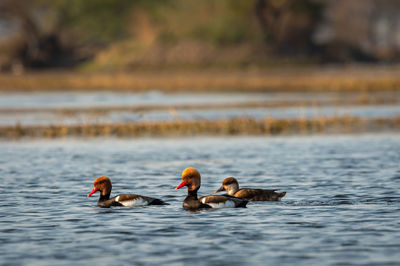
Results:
<point x="192" y="180"/>
<point x="231" y="186"/>
<point x="103" y="184"/>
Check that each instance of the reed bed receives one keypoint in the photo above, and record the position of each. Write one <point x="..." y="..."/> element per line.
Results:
<point x="314" y="79"/>
<point x="238" y="126"/>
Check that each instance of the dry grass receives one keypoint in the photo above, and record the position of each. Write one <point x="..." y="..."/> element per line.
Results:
<point x="310" y="79"/>
<point x="238" y="126"/>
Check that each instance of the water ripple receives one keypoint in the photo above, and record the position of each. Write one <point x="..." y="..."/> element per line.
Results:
<point x="341" y="208"/>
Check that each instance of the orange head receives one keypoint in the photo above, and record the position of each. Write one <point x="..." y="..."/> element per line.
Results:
<point x="102" y="184"/>
<point x="191" y="179"/>
<point x="230" y="185"/>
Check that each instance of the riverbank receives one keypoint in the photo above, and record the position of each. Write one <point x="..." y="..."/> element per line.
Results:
<point x="237" y="126"/>
<point x="293" y="79"/>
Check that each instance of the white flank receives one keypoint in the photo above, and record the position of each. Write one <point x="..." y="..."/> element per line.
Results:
<point x="133" y="203"/>
<point x="226" y="204"/>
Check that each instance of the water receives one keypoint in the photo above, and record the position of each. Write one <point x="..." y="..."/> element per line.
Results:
<point x="47" y="108"/>
<point x="342" y="205"/>
<point x="54" y="118"/>
<point x="110" y="99"/>
<point x="257" y="113"/>
<point x="93" y="99"/>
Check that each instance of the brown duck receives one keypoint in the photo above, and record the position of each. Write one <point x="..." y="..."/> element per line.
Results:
<point x="103" y="184"/>
<point x="231" y="186"/>
<point x="192" y="180"/>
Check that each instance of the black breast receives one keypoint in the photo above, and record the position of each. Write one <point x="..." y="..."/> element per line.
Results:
<point x="193" y="203"/>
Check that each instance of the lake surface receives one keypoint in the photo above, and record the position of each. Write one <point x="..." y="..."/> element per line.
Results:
<point x="54" y="118"/>
<point x="107" y="99"/>
<point x="47" y="108"/>
<point x="342" y="205"/>
<point x="104" y="99"/>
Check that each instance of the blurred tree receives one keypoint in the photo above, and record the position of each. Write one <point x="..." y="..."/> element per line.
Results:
<point x="362" y="30"/>
<point x="54" y="32"/>
<point x="98" y="21"/>
<point x="218" y="22"/>
<point x="288" y="25"/>
<point x="35" y="46"/>
<point x="64" y="32"/>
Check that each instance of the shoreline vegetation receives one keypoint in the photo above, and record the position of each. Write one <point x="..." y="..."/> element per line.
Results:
<point x="225" y="127"/>
<point x="339" y="86"/>
<point x="290" y="79"/>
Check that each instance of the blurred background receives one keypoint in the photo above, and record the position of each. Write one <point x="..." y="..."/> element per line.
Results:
<point x="115" y="35"/>
<point x="138" y="90"/>
<point x="244" y="67"/>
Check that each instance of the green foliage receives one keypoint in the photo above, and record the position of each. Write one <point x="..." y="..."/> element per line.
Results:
<point x="160" y="28"/>
<point x="95" y="20"/>
<point x="219" y="22"/>
<point x="104" y="21"/>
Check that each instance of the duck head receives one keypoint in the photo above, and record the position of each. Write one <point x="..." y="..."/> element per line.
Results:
<point x="191" y="179"/>
<point x="102" y="184"/>
<point x="230" y="185"/>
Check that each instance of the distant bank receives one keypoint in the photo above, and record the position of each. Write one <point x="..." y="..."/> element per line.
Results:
<point x="226" y="127"/>
<point x="292" y="79"/>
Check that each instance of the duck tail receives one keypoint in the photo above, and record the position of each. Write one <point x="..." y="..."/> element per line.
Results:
<point x="158" y="202"/>
<point x="243" y="204"/>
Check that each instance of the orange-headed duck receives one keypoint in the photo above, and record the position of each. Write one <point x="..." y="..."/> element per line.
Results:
<point x="231" y="186"/>
<point x="103" y="184"/>
<point x="191" y="179"/>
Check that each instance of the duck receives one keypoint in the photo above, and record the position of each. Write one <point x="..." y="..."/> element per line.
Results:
<point x="191" y="179"/>
<point x="231" y="186"/>
<point x="103" y="184"/>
